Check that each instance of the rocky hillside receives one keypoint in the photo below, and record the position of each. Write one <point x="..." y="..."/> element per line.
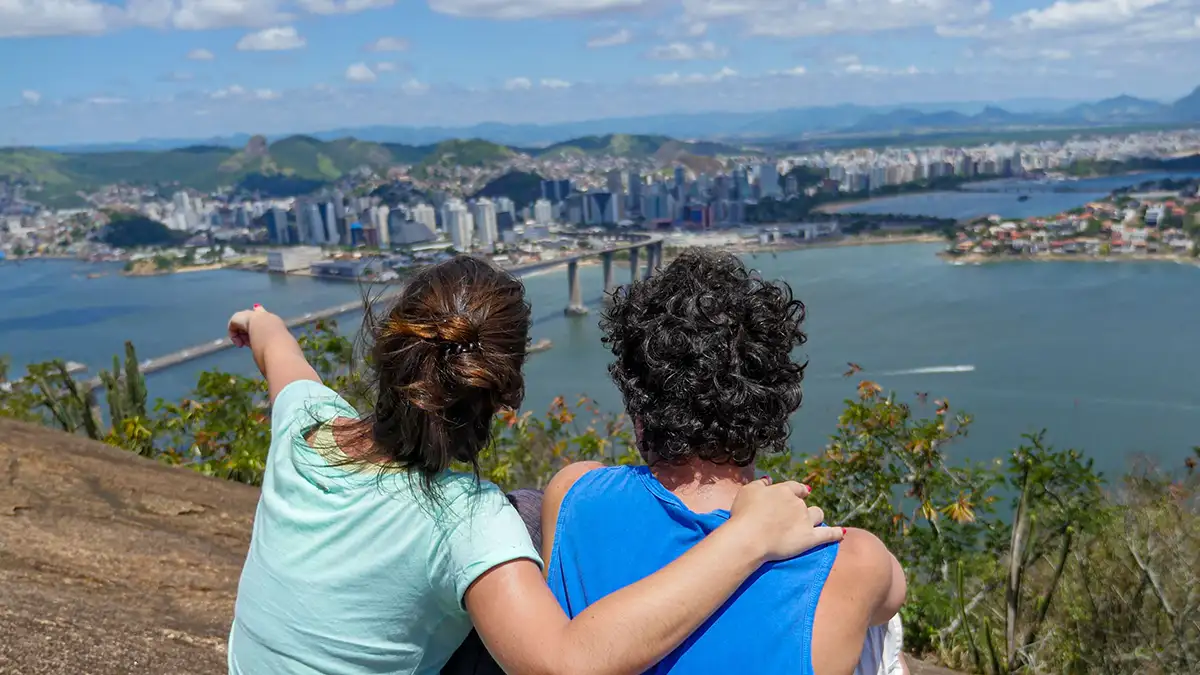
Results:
<point x="110" y="563"/>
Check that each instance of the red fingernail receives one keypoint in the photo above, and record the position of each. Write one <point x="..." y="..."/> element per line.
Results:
<point x="843" y="531"/>
<point x="806" y="487"/>
<point x="257" y="306"/>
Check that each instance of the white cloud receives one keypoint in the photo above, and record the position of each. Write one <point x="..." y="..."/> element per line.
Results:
<point x="788" y="18"/>
<point x="177" y="76"/>
<point x="797" y="71"/>
<point x="276" y="39"/>
<point x="385" y="67"/>
<point x="31" y="97"/>
<point x="207" y="14"/>
<point x="552" y="83"/>
<point x="1070" y="15"/>
<point x="28" y="18"/>
<point x="343" y="7"/>
<point x="682" y="51"/>
<point x="200" y="55"/>
<point x="972" y="30"/>
<point x="389" y="44"/>
<point x="415" y="86"/>
<point x="266" y="94"/>
<point x="1056" y="54"/>
<point x="228" y="92"/>
<point x="621" y="37"/>
<point x="531" y="9"/>
<point x="696" y="28"/>
<point x="518" y="84"/>
<point x="360" y="72"/>
<point x="105" y="100"/>
<point x="675" y="79"/>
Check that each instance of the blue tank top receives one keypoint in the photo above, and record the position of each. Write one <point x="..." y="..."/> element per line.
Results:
<point x="619" y="525"/>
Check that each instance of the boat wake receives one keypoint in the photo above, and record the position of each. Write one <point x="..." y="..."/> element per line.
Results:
<point x="932" y="370"/>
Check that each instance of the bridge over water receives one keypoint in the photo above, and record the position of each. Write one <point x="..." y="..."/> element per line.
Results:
<point x="634" y="244"/>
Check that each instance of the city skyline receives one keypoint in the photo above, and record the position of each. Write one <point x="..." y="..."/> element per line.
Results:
<point x="121" y="70"/>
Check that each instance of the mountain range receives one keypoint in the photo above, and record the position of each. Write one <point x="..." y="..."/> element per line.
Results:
<point x="760" y="127"/>
<point x="301" y="164"/>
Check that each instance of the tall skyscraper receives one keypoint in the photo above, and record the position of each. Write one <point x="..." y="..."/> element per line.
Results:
<point x="543" y="212"/>
<point x="277" y="226"/>
<point x="486" y="230"/>
<point x="426" y="215"/>
<point x="768" y="180"/>
<point x="459" y="223"/>
<point x="379" y="220"/>
<point x="556" y="190"/>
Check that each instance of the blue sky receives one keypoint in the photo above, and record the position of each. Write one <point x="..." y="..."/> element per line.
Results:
<point x="111" y="70"/>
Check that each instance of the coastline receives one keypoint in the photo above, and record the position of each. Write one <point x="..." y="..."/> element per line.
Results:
<point x="842" y="207"/>
<point x="981" y="259"/>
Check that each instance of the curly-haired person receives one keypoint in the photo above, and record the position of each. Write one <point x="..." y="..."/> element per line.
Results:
<point x="703" y="359"/>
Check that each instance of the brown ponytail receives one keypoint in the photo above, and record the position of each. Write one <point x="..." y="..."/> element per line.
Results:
<point x="447" y="356"/>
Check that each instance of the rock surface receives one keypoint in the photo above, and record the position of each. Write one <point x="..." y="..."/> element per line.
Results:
<point x="110" y="563"/>
<point x="114" y="564"/>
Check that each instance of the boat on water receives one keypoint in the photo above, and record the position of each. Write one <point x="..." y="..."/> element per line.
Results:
<point x="96" y="275"/>
<point x="1023" y="198"/>
<point x="542" y="345"/>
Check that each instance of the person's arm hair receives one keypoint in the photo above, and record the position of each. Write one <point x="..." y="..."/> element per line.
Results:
<point x="630" y="630"/>
<point x="276" y="352"/>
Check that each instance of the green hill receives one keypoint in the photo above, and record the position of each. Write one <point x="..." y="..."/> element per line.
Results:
<point x="520" y="186"/>
<point x="472" y="152"/>
<point x="290" y="165"/>
<point x="636" y="146"/>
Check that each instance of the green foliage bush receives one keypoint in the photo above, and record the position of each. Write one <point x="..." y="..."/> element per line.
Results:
<point x="1027" y="564"/>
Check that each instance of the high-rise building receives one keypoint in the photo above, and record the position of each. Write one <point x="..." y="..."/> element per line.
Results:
<point x="680" y="179"/>
<point x="332" y="231"/>
<point x="543" y="212"/>
<point x="768" y="180"/>
<point x="459" y="223"/>
<point x="277" y="227"/>
<point x="379" y="221"/>
<point x="556" y="190"/>
<point x="600" y="208"/>
<point x="486" y="229"/>
<point x="426" y="215"/>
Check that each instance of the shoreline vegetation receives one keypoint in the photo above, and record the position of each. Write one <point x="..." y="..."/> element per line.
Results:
<point x="1031" y="563"/>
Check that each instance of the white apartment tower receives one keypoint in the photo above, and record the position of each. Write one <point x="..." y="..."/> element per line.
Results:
<point x="485" y="224"/>
<point x="426" y="215"/>
<point x="543" y="212"/>
<point x="460" y="223"/>
<point x="379" y="220"/>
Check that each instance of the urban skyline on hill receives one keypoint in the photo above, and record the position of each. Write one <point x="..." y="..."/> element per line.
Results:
<point x="120" y="70"/>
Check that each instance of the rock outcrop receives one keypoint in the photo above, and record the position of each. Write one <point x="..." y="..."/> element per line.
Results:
<point x="110" y="563"/>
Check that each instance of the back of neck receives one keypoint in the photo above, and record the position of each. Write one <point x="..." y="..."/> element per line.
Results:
<point x="703" y="486"/>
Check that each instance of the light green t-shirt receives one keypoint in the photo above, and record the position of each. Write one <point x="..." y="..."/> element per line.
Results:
<point x="354" y="572"/>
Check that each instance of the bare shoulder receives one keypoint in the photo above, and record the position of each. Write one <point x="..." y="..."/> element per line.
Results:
<point x="863" y="553"/>
<point x="566" y="477"/>
<point x="866" y="564"/>
<point x="552" y="501"/>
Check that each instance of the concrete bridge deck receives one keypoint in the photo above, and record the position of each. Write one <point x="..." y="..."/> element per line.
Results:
<point x="575" y="305"/>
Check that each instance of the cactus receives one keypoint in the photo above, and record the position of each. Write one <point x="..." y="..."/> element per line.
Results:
<point x="125" y="389"/>
<point x="72" y="406"/>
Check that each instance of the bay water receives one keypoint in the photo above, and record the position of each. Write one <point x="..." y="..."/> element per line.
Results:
<point x="1103" y="355"/>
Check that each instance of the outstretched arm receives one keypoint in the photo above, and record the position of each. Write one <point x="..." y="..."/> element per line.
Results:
<point x="276" y="352"/>
<point x="632" y="629"/>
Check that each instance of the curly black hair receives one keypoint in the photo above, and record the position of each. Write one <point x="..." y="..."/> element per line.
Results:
<point x="704" y="359"/>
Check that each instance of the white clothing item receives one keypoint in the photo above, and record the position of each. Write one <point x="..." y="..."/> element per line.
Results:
<point x="881" y="650"/>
